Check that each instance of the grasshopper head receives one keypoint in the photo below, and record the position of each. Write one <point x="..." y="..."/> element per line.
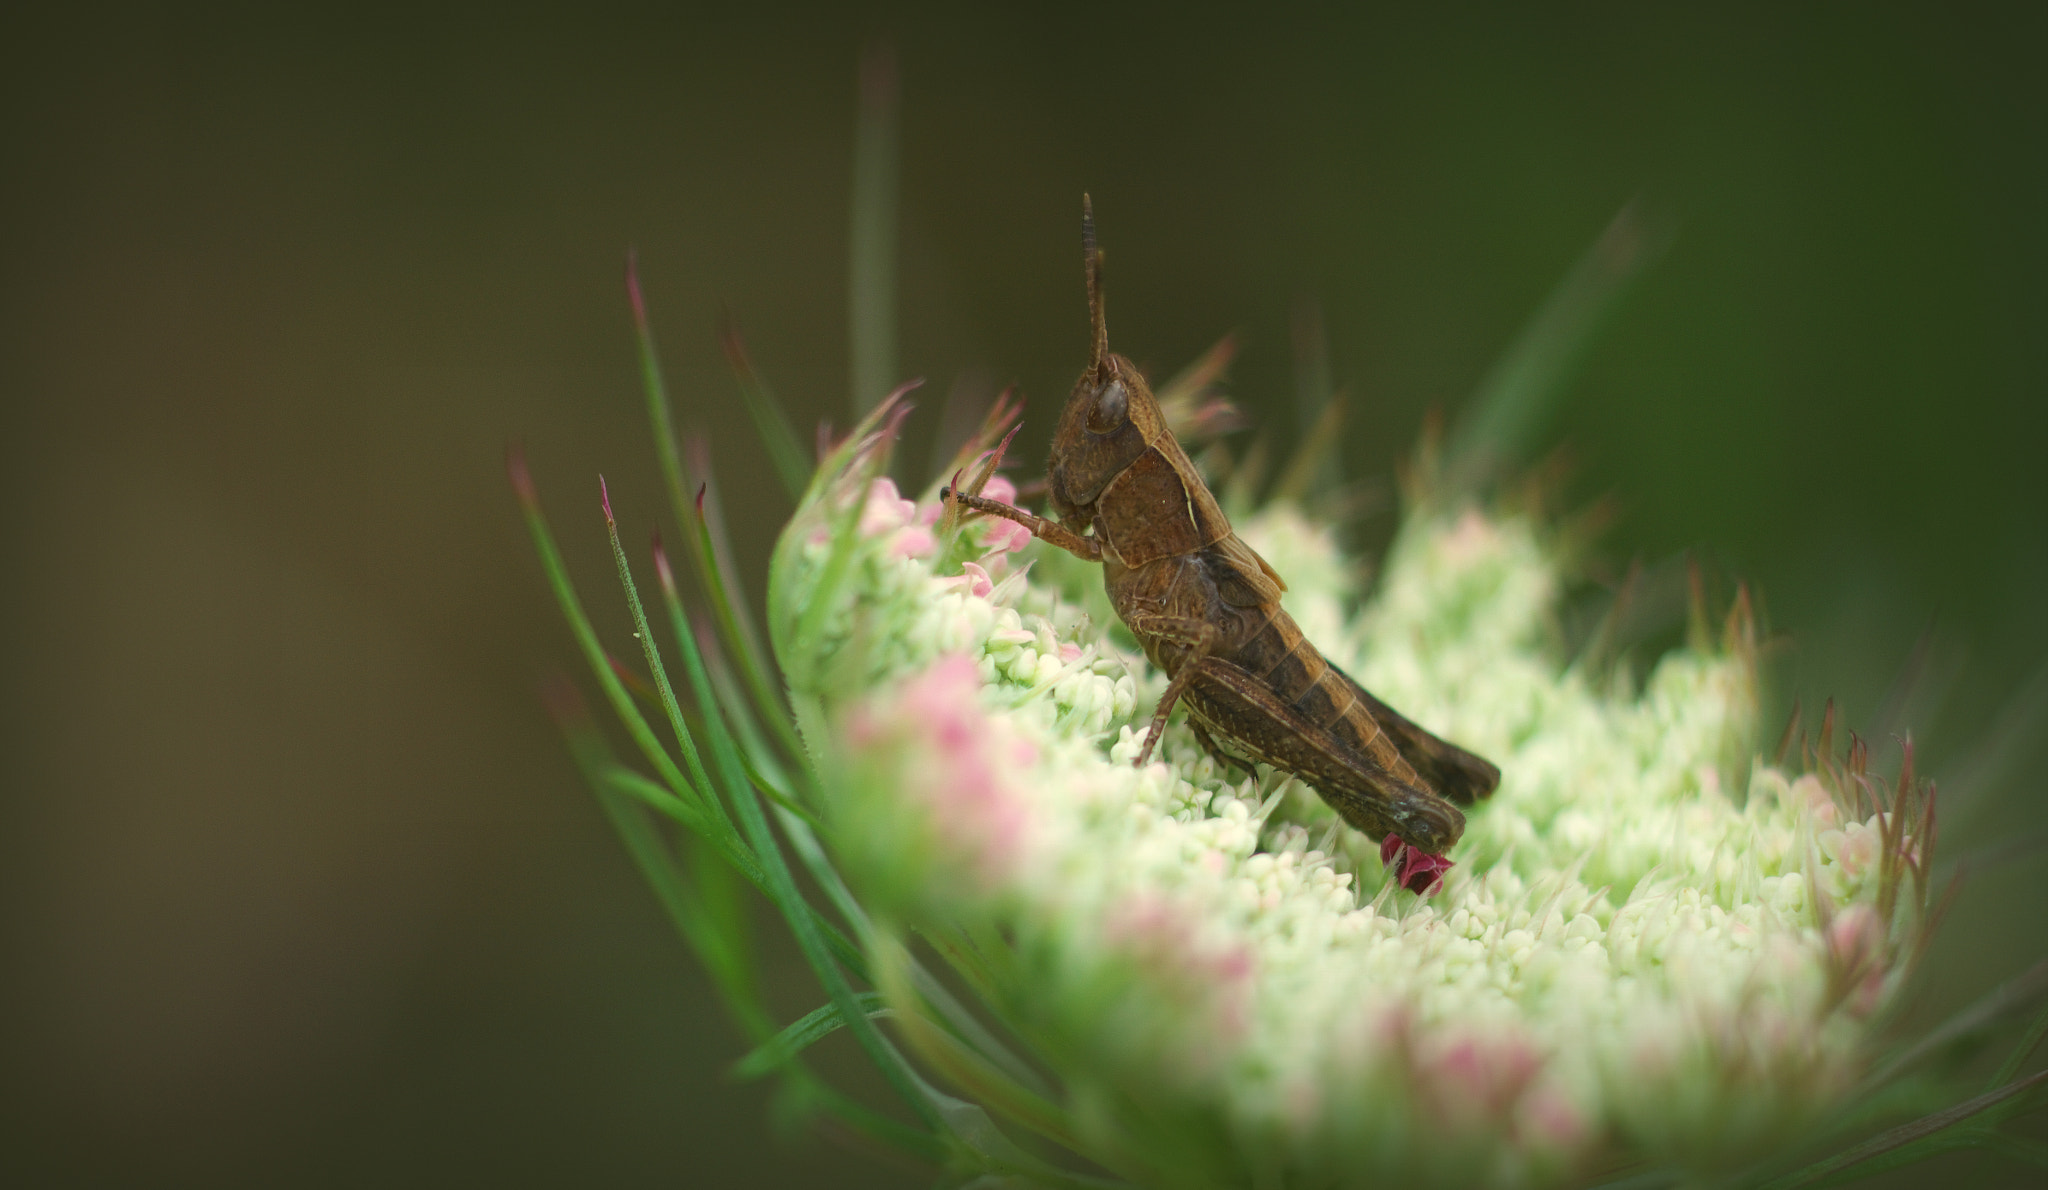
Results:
<point x="1110" y="419"/>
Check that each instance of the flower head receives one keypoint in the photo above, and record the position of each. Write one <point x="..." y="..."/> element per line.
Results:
<point x="1649" y="946"/>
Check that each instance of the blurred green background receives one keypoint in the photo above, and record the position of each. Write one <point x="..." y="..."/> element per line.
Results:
<point x="299" y="886"/>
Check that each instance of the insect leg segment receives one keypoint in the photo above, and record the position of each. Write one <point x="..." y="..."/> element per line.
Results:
<point x="1088" y="549"/>
<point x="1199" y="636"/>
<point x="1224" y="760"/>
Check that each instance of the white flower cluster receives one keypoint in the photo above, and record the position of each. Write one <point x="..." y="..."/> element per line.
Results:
<point x="1628" y="962"/>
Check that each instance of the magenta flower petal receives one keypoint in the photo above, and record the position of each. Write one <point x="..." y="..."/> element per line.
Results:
<point x="1414" y="869"/>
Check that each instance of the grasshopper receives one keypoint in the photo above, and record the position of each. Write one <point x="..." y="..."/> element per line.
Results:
<point x="1206" y="608"/>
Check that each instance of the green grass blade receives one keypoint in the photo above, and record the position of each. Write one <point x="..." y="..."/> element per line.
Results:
<point x="706" y="915"/>
<point x="704" y="536"/>
<point x="729" y="848"/>
<point x="1315" y="392"/>
<point x="871" y="271"/>
<point x="843" y="950"/>
<point x="655" y="797"/>
<point x="764" y="764"/>
<point x="726" y="909"/>
<point x="655" y="390"/>
<point x="1983" y="1014"/>
<point x="972" y="1033"/>
<point x="972" y="1072"/>
<point x="1508" y="409"/>
<point x="780" y="441"/>
<point x="1908" y="1142"/>
<point x="1909" y="1154"/>
<point x="586" y="637"/>
<point x="810" y="939"/>
<point x="732" y="973"/>
<point x="698" y="924"/>
<point x="718" y="582"/>
<point x="723" y="703"/>
<point x="2032" y="1152"/>
<point x="714" y="829"/>
<point x="652" y="652"/>
<point x="810" y="623"/>
<point x="727" y="962"/>
<point x="955" y="1016"/>
<point x="2024" y="1050"/>
<point x="746" y="806"/>
<point x="882" y="1128"/>
<point x="1312" y="467"/>
<point x="846" y="471"/>
<point x="758" y="761"/>
<point x="793" y="1040"/>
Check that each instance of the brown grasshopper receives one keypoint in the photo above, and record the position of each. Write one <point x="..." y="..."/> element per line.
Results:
<point x="1206" y="609"/>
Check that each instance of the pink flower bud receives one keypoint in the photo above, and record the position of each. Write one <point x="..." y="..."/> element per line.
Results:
<point x="1856" y="944"/>
<point x="912" y="541"/>
<point x="956" y="767"/>
<point x="1168" y="943"/>
<point x="1005" y="536"/>
<point x="886" y="509"/>
<point x="1857" y="852"/>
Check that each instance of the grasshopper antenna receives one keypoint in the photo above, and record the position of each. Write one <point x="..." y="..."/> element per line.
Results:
<point x="1098" y="359"/>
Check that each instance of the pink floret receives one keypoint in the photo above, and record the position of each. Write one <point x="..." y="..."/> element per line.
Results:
<point x="913" y="541"/>
<point x="886" y="509"/>
<point x="973" y="579"/>
<point x="1005" y="536"/>
<point x="960" y="779"/>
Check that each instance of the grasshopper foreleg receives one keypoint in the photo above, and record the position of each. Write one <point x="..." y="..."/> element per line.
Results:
<point x="1086" y="548"/>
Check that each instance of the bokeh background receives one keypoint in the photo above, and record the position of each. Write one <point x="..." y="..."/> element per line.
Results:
<point x="298" y="885"/>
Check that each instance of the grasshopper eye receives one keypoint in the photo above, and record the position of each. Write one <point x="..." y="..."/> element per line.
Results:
<point x="1112" y="407"/>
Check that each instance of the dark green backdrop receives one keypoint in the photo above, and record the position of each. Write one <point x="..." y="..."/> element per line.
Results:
<point x="298" y="884"/>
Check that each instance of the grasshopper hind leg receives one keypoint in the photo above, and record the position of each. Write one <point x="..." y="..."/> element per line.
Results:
<point x="1224" y="760"/>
